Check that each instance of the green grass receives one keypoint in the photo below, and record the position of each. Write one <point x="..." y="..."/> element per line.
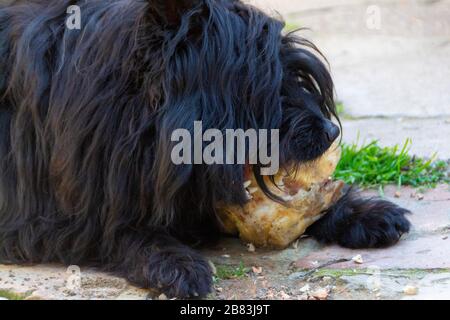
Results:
<point x="373" y="166"/>
<point x="11" y="296"/>
<point x="291" y="26"/>
<point x="224" y="272"/>
<point x="340" y="108"/>
<point x="408" y="273"/>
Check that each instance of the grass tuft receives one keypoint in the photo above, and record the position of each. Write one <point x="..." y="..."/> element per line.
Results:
<point x="291" y="26"/>
<point x="374" y="166"/>
<point x="340" y="109"/>
<point x="11" y="295"/>
<point x="225" y="272"/>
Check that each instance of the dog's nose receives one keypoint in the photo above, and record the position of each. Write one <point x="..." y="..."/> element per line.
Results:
<point x="331" y="130"/>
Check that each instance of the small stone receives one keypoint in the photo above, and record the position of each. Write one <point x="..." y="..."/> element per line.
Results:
<point x="444" y="237"/>
<point x="410" y="290"/>
<point x="305" y="288"/>
<point x="162" y="296"/>
<point x="295" y="244"/>
<point x="358" y="259"/>
<point x="320" y="294"/>
<point x="219" y="289"/>
<point x="251" y="247"/>
<point x="420" y="196"/>
<point x="397" y="194"/>
<point x="226" y="256"/>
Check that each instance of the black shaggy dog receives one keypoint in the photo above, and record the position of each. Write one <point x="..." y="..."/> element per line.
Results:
<point x="86" y="118"/>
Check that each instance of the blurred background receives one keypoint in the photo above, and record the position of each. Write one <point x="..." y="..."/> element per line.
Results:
<point x="390" y="60"/>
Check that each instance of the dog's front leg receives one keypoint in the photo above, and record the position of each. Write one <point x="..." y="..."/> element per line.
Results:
<point x="355" y="222"/>
<point x="161" y="262"/>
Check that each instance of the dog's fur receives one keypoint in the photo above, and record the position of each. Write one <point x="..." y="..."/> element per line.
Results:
<point x="85" y="123"/>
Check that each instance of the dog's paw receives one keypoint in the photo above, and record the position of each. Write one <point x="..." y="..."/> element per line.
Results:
<point x="179" y="272"/>
<point x="377" y="224"/>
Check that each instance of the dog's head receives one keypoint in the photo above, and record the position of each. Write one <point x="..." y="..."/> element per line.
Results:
<point x="231" y="66"/>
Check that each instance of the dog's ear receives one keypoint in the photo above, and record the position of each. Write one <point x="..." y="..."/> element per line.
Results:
<point x="171" y="11"/>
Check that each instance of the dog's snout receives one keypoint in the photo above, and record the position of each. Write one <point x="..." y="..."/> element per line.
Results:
<point x="331" y="131"/>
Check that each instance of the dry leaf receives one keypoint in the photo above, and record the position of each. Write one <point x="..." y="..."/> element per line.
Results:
<point x="257" y="270"/>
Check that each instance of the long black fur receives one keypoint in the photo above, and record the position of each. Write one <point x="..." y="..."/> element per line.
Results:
<point x="86" y="118"/>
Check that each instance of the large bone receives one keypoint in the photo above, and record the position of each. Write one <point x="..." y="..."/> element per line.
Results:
<point x="267" y="223"/>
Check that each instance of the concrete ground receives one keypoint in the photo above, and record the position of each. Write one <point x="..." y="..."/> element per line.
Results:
<point x="391" y="63"/>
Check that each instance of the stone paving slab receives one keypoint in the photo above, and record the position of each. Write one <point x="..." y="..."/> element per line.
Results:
<point x="398" y="68"/>
<point x="427" y="246"/>
<point x="429" y="136"/>
<point x="433" y="287"/>
<point x="430" y="252"/>
<point x="60" y="283"/>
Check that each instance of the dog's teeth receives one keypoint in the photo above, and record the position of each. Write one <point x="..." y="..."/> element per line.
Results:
<point x="287" y="198"/>
<point x="247" y="183"/>
<point x="252" y="190"/>
<point x="249" y="196"/>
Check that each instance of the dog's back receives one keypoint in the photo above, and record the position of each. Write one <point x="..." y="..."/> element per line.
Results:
<point x="65" y="95"/>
